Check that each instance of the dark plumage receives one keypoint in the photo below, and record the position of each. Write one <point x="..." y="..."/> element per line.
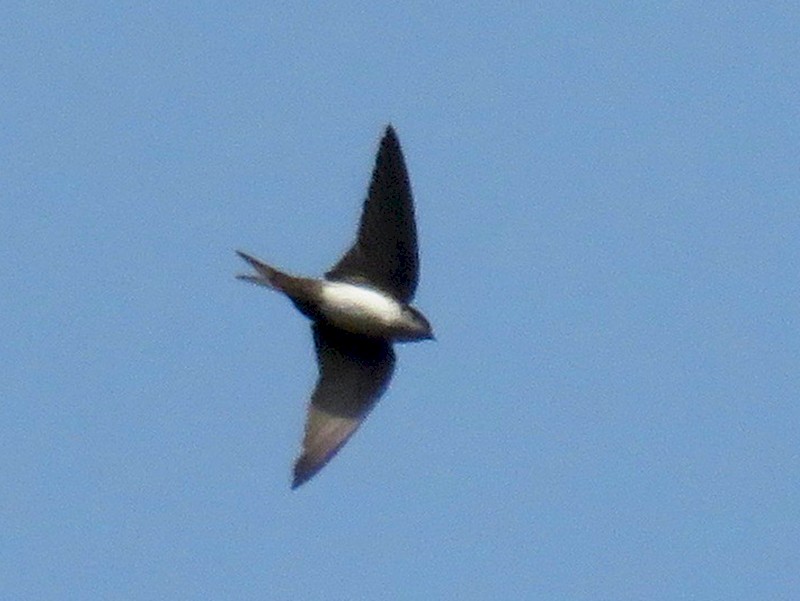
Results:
<point x="359" y="309"/>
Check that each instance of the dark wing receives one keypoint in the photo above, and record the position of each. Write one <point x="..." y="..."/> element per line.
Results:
<point x="353" y="373"/>
<point x="385" y="251"/>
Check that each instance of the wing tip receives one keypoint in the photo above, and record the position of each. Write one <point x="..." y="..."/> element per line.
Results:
<point x="298" y="481"/>
<point x="390" y="172"/>
<point x="304" y="470"/>
<point x="390" y="136"/>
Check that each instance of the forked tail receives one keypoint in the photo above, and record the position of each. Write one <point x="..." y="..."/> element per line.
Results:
<point x="264" y="276"/>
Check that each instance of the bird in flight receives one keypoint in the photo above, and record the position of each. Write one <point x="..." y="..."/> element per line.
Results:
<point x="359" y="309"/>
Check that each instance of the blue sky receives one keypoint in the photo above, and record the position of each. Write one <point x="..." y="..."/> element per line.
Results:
<point x="607" y="200"/>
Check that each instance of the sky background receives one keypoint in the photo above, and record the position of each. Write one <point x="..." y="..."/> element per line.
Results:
<point x="608" y="204"/>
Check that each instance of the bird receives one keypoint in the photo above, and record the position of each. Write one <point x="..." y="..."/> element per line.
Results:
<point x="358" y="310"/>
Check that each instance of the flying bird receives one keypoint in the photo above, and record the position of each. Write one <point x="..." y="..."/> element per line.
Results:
<point x="358" y="309"/>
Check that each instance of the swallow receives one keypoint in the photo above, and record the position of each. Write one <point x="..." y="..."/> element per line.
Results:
<point x="359" y="309"/>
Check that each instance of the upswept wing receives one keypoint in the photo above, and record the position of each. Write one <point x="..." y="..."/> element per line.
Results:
<point x="385" y="251"/>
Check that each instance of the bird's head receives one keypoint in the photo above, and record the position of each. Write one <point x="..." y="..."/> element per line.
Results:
<point x="417" y="324"/>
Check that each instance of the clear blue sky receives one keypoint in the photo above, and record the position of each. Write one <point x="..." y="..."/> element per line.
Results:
<point x="608" y="198"/>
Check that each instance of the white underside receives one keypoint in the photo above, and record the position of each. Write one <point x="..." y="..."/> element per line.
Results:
<point x="359" y="309"/>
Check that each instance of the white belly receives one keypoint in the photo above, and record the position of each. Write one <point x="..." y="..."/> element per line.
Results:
<point x="360" y="310"/>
